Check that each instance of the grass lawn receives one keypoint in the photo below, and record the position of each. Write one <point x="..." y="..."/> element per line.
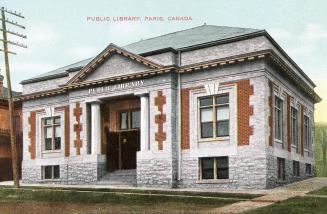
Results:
<point x="322" y="191"/>
<point x="295" y="205"/>
<point x="43" y="200"/>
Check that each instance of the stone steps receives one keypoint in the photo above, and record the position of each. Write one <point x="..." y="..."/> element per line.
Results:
<point x="119" y="178"/>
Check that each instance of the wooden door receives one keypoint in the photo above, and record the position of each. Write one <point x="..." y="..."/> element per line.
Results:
<point x="113" y="151"/>
<point x="130" y="144"/>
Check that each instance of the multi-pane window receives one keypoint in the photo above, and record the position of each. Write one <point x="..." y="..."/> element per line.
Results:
<point x="307" y="133"/>
<point x="52" y="133"/>
<point x="308" y="169"/>
<point x="130" y="120"/>
<point x="214" y="168"/>
<point x="214" y="116"/>
<point x="51" y="172"/>
<point x="296" y="168"/>
<point x="295" y="128"/>
<point x="278" y="118"/>
<point x="281" y="168"/>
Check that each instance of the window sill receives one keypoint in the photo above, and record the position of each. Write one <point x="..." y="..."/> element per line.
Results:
<point x="205" y="140"/>
<point x="213" y="181"/>
<point x="54" y="179"/>
<point x="51" y="151"/>
<point x="278" y="141"/>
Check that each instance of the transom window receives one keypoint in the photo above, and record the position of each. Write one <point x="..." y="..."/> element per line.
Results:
<point x="51" y="172"/>
<point x="295" y="128"/>
<point x="279" y="118"/>
<point x="52" y="133"/>
<point x="214" y="116"/>
<point x="130" y="120"/>
<point x="214" y="168"/>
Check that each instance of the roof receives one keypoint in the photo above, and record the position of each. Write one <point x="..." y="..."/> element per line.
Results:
<point x="189" y="37"/>
<point x="176" y="40"/>
<point x="4" y="93"/>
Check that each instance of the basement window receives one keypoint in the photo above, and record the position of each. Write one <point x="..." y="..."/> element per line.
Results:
<point x="50" y="172"/>
<point x="296" y="168"/>
<point x="308" y="170"/>
<point x="281" y="169"/>
<point x="214" y="168"/>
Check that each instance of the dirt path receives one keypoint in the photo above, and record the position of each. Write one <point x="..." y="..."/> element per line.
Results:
<point x="276" y="195"/>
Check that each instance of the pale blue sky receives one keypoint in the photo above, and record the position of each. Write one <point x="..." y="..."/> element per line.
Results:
<point x="58" y="33"/>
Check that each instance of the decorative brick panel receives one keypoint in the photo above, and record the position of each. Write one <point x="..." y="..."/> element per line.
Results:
<point x="78" y="128"/>
<point x="270" y="120"/>
<point x="32" y="134"/>
<point x="160" y="119"/>
<point x="288" y="123"/>
<point x="302" y="129"/>
<point x="67" y="131"/>
<point x="244" y="111"/>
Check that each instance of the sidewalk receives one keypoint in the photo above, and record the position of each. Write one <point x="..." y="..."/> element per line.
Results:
<point x="276" y="195"/>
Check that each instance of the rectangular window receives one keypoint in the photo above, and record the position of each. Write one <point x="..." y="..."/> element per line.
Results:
<point x="308" y="169"/>
<point x="295" y="128"/>
<point x="278" y="118"/>
<point x="281" y="168"/>
<point x="130" y="120"/>
<point x="214" y="168"/>
<point x="296" y="168"/>
<point x="214" y="116"/>
<point x="52" y="133"/>
<point x="307" y="134"/>
<point x="51" y="172"/>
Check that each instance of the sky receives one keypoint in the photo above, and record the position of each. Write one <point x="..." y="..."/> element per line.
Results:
<point x="59" y="32"/>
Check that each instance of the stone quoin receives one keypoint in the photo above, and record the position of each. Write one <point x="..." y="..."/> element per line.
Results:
<point x="205" y="107"/>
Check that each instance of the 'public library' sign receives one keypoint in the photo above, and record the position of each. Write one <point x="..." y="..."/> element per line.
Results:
<point x="121" y="86"/>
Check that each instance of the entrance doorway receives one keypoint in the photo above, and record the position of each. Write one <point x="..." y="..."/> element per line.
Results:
<point x="122" y="133"/>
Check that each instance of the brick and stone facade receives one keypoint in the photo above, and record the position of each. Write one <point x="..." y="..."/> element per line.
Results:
<point x="169" y="83"/>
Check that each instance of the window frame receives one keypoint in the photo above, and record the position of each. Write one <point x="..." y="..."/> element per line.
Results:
<point x="215" y="168"/>
<point x="129" y="113"/>
<point x="295" y="126"/>
<point x="281" y="173"/>
<point x="52" y="177"/>
<point x="281" y="118"/>
<point x="306" y="132"/>
<point x="296" y="168"/>
<point x="214" y="106"/>
<point x="53" y="125"/>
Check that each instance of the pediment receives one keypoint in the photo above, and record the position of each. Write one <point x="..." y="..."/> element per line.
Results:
<point x="113" y="62"/>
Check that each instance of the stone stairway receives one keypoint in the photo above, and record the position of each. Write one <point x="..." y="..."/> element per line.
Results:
<point x="119" y="178"/>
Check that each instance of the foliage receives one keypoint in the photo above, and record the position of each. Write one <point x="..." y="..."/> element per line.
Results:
<point x="320" y="142"/>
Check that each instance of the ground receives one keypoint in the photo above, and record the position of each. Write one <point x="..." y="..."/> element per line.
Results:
<point x="308" y="196"/>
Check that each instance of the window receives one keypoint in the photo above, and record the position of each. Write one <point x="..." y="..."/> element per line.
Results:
<point x="295" y="128"/>
<point x="281" y="168"/>
<point x="307" y="133"/>
<point x="214" y="116"/>
<point x="296" y="168"/>
<point x="50" y="172"/>
<point x="214" y="168"/>
<point x="308" y="169"/>
<point x="278" y="118"/>
<point x="52" y="133"/>
<point x="130" y="120"/>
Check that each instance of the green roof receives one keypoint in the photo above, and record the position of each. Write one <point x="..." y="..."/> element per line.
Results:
<point x="177" y="40"/>
<point x="4" y="93"/>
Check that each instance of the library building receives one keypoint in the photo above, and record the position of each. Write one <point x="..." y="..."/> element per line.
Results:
<point x="205" y="107"/>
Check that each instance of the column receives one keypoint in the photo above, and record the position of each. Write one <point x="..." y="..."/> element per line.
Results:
<point x="95" y="127"/>
<point x="145" y="122"/>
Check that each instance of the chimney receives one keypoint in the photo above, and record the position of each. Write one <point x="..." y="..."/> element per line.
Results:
<point x="1" y="85"/>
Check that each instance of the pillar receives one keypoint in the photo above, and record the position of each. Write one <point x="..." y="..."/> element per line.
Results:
<point x="145" y="122"/>
<point x="95" y="127"/>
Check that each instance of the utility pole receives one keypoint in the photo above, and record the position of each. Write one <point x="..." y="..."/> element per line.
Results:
<point x="9" y="91"/>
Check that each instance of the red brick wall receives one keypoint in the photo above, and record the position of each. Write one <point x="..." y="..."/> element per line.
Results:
<point x="244" y="111"/>
<point x="185" y="118"/>
<point x="32" y="133"/>
<point x="67" y="131"/>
